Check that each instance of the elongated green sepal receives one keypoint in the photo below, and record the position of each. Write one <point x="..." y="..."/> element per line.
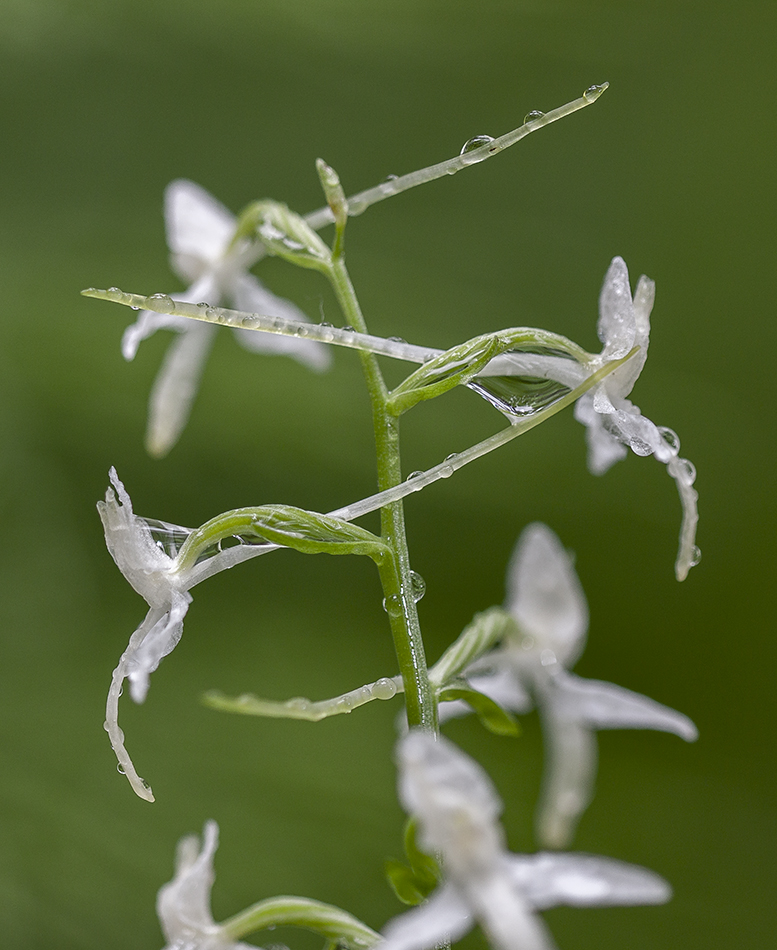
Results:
<point x="285" y="234"/>
<point x="483" y="632"/>
<point x="491" y="714"/>
<point x="306" y="531"/>
<point x="301" y="708"/>
<point x="454" y="367"/>
<point x="333" y="923"/>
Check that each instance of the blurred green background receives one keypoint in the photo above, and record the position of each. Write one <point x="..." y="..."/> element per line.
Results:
<point x="101" y="104"/>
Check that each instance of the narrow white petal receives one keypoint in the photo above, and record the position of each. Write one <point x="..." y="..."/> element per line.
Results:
<point x="505" y="914"/>
<point x="147" y="323"/>
<point x="585" y="880"/>
<point x="445" y="916"/>
<point x="251" y="296"/>
<point x="604" y="450"/>
<point x="176" y="386"/>
<point x="544" y="594"/>
<point x="617" y="327"/>
<point x="161" y="639"/>
<point x="607" y="706"/>
<point x="684" y="474"/>
<point x="568" y="776"/>
<point x="199" y="228"/>
<point x="183" y="905"/>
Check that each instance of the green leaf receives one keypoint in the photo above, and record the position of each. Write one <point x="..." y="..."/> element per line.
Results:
<point x="306" y="531"/>
<point x="491" y="714"/>
<point x="404" y="884"/>
<point x="413" y="884"/>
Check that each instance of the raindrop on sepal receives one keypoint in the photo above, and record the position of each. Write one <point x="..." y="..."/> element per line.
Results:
<point x="162" y="303"/>
<point x="518" y="395"/>
<point x="413" y="475"/>
<point x="531" y="116"/>
<point x="592" y="93"/>
<point x="695" y="556"/>
<point x="477" y="141"/>
<point x="417" y="586"/>
<point x="384" y="688"/>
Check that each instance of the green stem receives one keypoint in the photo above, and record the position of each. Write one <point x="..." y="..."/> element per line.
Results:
<point x="395" y="573"/>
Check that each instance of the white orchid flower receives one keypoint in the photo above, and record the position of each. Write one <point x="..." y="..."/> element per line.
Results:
<point x="457" y="809"/>
<point x="164" y="583"/>
<point x="183" y="904"/>
<point x="614" y="423"/>
<point x="545" y="599"/>
<point x="200" y="234"/>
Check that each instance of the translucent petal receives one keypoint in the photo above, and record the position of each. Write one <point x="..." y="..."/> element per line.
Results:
<point x="607" y="706"/>
<point x="199" y="228"/>
<point x="453" y="798"/>
<point x="183" y="905"/>
<point x="568" y="776"/>
<point x="176" y="385"/>
<point x="585" y="880"/>
<point x="131" y="545"/>
<point x="617" y="327"/>
<point x="544" y="594"/>
<point x="160" y="640"/>
<point x="505" y="914"/>
<point x="445" y="916"/>
<point x="249" y="295"/>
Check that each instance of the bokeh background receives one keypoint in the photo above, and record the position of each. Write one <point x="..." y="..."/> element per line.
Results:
<point x="102" y="102"/>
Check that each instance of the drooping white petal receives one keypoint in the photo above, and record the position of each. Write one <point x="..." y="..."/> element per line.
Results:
<point x="445" y="916"/>
<point x="585" y="880"/>
<point x="568" y="776"/>
<point x="160" y="640"/>
<point x="175" y="387"/>
<point x="544" y="594"/>
<point x="199" y="228"/>
<point x="251" y="296"/>
<point x="604" y="450"/>
<point x="607" y="706"/>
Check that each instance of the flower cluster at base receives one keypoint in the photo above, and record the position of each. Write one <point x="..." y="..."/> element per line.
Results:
<point x="548" y="620"/>
<point x="457" y="809"/>
<point x="200" y="234"/>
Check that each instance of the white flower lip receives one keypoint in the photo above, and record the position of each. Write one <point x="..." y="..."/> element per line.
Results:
<point x="457" y="809"/>
<point x="199" y="235"/>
